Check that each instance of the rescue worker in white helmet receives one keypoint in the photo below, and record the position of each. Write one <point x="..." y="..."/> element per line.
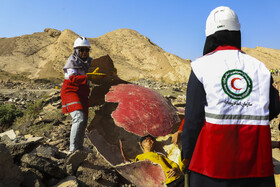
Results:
<point x="226" y="137"/>
<point x="75" y="90"/>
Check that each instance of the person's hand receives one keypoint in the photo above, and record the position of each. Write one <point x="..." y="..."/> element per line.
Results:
<point x="95" y="75"/>
<point x="171" y="172"/>
<point x="186" y="163"/>
<point x="175" y="137"/>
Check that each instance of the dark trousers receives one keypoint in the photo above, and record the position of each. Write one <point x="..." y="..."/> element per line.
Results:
<point x="177" y="183"/>
<point x="199" y="180"/>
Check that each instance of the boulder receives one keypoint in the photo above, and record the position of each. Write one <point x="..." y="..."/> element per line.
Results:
<point x="31" y="177"/>
<point x="130" y="112"/>
<point x="154" y="175"/>
<point x="10" y="174"/>
<point x="69" y="181"/>
<point x="23" y="146"/>
<point x="96" y="171"/>
<point x="49" y="166"/>
<point x="52" y="32"/>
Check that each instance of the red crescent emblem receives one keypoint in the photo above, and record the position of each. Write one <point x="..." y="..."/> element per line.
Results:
<point x="232" y="83"/>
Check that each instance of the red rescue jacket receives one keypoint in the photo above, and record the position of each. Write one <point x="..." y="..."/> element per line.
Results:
<point x="74" y="94"/>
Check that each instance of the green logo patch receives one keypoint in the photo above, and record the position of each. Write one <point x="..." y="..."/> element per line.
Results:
<point x="237" y="84"/>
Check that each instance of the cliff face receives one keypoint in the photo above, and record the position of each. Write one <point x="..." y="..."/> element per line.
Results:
<point x="43" y="55"/>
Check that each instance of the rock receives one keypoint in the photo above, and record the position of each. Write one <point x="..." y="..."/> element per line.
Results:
<point x="56" y="142"/>
<point x="52" y="32"/>
<point x="74" y="160"/>
<point x="10" y="133"/>
<point x="46" y="151"/>
<point x="53" y="97"/>
<point x="52" y="167"/>
<point x="5" y="139"/>
<point x="31" y="177"/>
<point x="143" y="173"/>
<point x="10" y="174"/>
<point x="23" y="147"/>
<point x="128" y="115"/>
<point x="97" y="176"/>
<point x="69" y="181"/>
<point x="60" y="136"/>
<point x="95" y="171"/>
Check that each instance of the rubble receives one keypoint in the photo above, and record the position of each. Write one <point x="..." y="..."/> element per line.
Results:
<point x="32" y="160"/>
<point x="43" y="161"/>
<point x="10" y="174"/>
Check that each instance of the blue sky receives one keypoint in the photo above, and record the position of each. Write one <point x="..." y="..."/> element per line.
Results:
<point x="177" y="26"/>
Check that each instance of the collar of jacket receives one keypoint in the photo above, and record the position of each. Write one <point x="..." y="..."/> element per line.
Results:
<point x="226" y="47"/>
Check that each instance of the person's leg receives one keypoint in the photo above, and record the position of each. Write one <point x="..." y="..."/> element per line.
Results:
<point x="254" y="182"/>
<point x="79" y="123"/>
<point x="200" y="180"/>
<point x="177" y="183"/>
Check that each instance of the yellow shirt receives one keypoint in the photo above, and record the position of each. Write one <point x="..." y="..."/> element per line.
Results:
<point x="165" y="163"/>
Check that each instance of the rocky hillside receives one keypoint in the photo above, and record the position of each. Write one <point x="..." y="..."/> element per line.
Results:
<point x="270" y="57"/>
<point x="43" y="55"/>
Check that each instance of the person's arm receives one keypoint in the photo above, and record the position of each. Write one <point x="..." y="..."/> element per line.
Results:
<point x="176" y="135"/>
<point x="125" y="159"/>
<point x="194" y="116"/>
<point x="72" y="75"/>
<point x="175" y="168"/>
<point x="274" y="108"/>
<point x="274" y="103"/>
<point x="78" y="79"/>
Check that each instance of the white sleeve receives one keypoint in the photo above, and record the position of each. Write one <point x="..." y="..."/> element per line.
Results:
<point x="69" y="72"/>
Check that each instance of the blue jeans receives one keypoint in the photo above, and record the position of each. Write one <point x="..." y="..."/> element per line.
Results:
<point x="79" y="124"/>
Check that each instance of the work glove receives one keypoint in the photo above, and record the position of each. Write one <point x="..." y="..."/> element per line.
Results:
<point x="95" y="75"/>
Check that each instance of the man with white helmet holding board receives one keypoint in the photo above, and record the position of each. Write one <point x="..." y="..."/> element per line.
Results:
<point x="226" y="137"/>
<point x="75" y="90"/>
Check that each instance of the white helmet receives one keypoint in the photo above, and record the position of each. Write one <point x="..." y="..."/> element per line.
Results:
<point x="221" y="18"/>
<point x="81" y="42"/>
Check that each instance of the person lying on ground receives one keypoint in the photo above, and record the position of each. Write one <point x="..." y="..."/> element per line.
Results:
<point x="172" y="172"/>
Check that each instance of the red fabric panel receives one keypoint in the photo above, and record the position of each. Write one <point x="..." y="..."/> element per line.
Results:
<point x="226" y="47"/>
<point x="78" y="79"/>
<point x="233" y="151"/>
<point x="72" y="91"/>
<point x="181" y="125"/>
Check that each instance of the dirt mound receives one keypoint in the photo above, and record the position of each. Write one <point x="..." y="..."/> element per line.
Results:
<point x="43" y="55"/>
<point x="270" y="57"/>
